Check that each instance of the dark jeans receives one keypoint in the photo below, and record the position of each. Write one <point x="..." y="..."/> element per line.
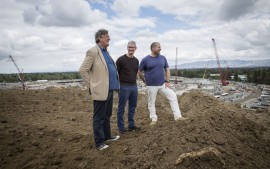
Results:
<point x="130" y="94"/>
<point x="101" y="119"/>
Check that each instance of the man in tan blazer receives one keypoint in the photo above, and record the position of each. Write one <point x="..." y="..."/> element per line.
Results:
<point x="99" y="73"/>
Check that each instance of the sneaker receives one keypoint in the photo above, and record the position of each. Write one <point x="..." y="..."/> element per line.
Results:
<point x="113" y="138"/>
<point x="103" y="147"/>
<point x="153" y="123"/>
<point x="181" y="118"/>
<point x="135" y="128"/>
<point x="122" y="131"/>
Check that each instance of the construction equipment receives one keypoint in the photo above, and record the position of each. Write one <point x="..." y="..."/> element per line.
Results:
<point x="222" y="79"/>
<point x="205" y="69"/>
<point x="227" y="73"/>
<point x="20" y="73"/>
<point x="176" y="71"/>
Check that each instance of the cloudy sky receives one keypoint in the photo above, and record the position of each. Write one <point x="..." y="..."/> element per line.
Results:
<point x="54" y="35"/>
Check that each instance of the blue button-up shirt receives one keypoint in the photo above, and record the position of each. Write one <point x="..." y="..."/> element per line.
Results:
<point x="113" y="77"/>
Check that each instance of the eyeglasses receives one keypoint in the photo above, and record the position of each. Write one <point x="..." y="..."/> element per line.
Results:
<point x="132" y="47"/>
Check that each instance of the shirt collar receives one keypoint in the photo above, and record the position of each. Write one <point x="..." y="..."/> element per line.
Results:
<point x="104" y="49"/>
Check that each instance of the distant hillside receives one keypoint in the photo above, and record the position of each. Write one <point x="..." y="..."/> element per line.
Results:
<point x="231" y="63"/>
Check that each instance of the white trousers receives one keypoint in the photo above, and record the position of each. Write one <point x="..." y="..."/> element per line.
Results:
<point x="169" y="94"/>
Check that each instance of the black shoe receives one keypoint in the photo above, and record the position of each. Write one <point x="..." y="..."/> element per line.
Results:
<point x="122" y="131"/>
<point x="135" y="128"/>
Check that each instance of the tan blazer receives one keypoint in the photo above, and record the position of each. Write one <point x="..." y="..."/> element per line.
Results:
<point x="95" y="74"/>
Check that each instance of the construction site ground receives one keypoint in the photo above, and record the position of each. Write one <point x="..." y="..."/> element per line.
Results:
<point x="52" y="128"/>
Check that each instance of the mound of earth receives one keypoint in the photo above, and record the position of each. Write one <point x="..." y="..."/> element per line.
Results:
<point x="52" y="128"/>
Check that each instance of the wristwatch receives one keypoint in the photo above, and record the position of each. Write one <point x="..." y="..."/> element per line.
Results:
<point x="166" y="81"/>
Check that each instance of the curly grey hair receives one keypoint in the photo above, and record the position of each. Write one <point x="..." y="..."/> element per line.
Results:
<point x="99" y="33"/>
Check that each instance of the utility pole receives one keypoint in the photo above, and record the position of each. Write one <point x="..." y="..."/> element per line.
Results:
<point x="176" y="71"/>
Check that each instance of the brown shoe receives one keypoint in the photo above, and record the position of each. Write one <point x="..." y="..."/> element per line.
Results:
<point x="153" y="123"/>
<point x="181" y="118"/>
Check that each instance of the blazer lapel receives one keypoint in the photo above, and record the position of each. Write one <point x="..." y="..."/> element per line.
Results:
<point x="101" y="56"/>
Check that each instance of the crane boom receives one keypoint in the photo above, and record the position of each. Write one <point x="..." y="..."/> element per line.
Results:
<point x="20" y="73"/>
<point x="205" y="69"/>
<point x="218" y="63"/>
<point x="227" y="73"/>
<point x="176" y="71"/>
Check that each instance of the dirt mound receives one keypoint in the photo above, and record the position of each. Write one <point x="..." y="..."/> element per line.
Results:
<point x="52" y="129"/>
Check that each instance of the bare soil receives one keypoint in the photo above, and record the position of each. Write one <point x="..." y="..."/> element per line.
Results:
<point x="52" y="128"/>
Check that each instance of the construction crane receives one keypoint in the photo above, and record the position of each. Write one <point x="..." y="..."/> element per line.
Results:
<point x="227" y="73"/>
<point x="20" y="73"/>
<point x="222" y="79"/>
<point x="205" y="69"/>
<point x="176" y="71"/>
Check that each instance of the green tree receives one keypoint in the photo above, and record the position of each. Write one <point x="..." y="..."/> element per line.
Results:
<point x="263" y="76"/>
<point x="255" y="76"/>
<point x="248" y="76"/>
<point x="235" y="75"/>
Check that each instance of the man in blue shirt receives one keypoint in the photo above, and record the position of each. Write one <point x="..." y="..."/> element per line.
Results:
<point x="153" y="66"/>
<point x="99" y="73"/>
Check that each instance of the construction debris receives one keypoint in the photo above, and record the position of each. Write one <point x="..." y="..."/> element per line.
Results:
<point x="200" y="153"/>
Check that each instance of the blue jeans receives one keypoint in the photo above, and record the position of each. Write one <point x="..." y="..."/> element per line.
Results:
<point x="130" y="94"/>
<point x="101" y="119"/>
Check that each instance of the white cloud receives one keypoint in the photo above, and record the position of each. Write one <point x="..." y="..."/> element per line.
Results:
<point x="128" y="7"/>
<point x="133" y="22"/>
<point x="54" y="35"/>
<point x="30" y="15"/>
<point x="232" y="10"/>
<point x="71" y="13"/>
<point x="33" y="42"/>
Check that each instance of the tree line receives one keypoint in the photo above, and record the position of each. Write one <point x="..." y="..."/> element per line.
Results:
<point x="259" y="75"/>
<point x="11" y="78"/>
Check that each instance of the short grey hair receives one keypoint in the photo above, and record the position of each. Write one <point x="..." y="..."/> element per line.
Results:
<point x="132" y="42"/>
<point x="154" y="44"/>
<point x="99" y="33"/>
